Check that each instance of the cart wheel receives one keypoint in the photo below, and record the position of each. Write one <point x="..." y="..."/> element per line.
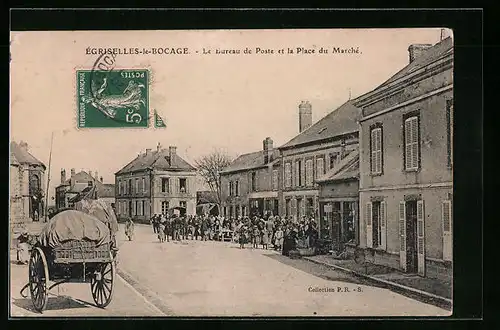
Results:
<point x="101" y="284"/>
<point x="38" y="279"/>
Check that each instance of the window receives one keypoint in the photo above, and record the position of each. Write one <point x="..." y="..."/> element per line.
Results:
<point x="237" y="188"/>
<point x="333" y="159"/>
<point x="183" y="185"/>
<point x="133" y="208"/>
<point x="449" y="140"/>
<point x="165" y="185"/>
<point x="375" y="222"/>
<point x="143" y="185"/>
<point x="412" y="143"/>
<point x="90" y="183"/>
<point x="137" y="208"/>
<point x="310" y="207"/>
<point x="183" y="204"/>
<point x="164" y="207"/>
<point x="142" y="207"/>
<point x="119" y="187"/>
<point x="298" y="173"/>
<point x="136" y="185"/>
<point x="288" y="175"/>
<point x="320" y="167"/>
<point x="376" y="150"/>
<point x="230" y="188"/>
<point x="130" y="186"/>
<point x="254" y="181"/>
<point x="288" y="209"/>
<point x="275" y="179"/>
<point x="309" y="172"/>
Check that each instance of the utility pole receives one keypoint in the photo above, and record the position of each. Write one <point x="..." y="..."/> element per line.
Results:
<point x="48" y="178"/>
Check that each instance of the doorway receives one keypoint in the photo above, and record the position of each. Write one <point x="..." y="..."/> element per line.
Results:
<point x="411" y="237"/>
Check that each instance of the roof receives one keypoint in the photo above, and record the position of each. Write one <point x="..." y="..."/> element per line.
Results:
<point x="347" y="168"/>
<point x="80" y="176"/>
<point x="428" y="56"/>
<point x="341" y="121"/>
<point x="157" y="160"/>
<point x="22" y="156"/>
<point x="104" y="190"/>
<point x="250" y="161"/>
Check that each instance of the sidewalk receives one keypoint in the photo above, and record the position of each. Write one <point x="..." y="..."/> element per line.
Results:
<point x="430" y="290"/>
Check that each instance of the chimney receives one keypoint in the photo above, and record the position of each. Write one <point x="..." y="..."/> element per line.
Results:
<point x="96" y="175"/>
<point x="158" y="147"/>
<point x="148" y="152"/>
<point x="267" y="149"/>
<point x="90" y="173"/>
<point x="72" y="172"/>
<point x="172" y="153"/>
<point x="63" y="175"/>
<point x="305" y="115"/>
<point x="24" y="146"/>
<point x="416" y="50"/>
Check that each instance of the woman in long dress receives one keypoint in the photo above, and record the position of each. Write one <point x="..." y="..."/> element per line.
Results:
<point x="23" y="248"/>
<point x="129" y="229"/>
<point x="278" y="239"/>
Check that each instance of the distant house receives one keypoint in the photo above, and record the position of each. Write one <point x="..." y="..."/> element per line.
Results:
<point x="153" y="183"/>
<point x="317" y="148"/>
<point x="406" y="164"/>
<point x="339" y="201"/>
<point x="206" y="203"/>
<point x="250" y="184"/>
<point x="27" y="185"/>
<point x="79" y="184"/>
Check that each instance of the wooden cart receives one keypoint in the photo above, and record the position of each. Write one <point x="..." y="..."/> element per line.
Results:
<point x="73" y="261"/>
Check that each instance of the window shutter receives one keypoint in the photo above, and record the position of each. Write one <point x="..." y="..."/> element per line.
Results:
<point x="303" y="173"/>
<point x="294" y="208"/>
<point x="402" y="235"/>
<point x="421" y="237"/>
<point x="447" y="230"/>
<point x="379" y="150"/>
<point x="407" y="154"/>
<point x="372" y="151"/>
<point x="383" y="225"/>
<point x="369" y="228"/>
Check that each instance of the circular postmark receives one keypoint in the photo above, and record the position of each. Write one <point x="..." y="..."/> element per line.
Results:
<point x="120" y="94"/>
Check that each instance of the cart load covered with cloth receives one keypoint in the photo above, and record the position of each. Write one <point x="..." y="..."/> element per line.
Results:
<point x="101" y="210"/>
<point x="74" y="246"/>
<point x="71" y="225"/>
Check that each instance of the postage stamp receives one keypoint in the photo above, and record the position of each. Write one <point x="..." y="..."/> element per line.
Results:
<point x="112" y="98"/>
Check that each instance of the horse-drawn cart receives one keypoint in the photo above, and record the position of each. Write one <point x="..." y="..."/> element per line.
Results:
<point x="74" y="247"/>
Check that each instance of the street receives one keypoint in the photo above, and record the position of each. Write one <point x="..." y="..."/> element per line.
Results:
<point x="195" y="278"/>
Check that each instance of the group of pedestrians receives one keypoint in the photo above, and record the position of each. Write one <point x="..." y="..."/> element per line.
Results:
<point x="270" y="232"/>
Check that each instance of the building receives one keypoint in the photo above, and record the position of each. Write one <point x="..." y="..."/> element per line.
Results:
<point x="153" y="183"/>
<point x="339" y="202"/>
<point x="406" y="161"/>
<point x="27" y="185"/>
<point x="207" y="203"/>
<point x="250" y="184"/>
<point x="71" y="189"/>
<point x="316" y="149"/>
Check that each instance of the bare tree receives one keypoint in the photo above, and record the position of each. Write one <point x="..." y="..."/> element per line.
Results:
<point x="209" y="167"/>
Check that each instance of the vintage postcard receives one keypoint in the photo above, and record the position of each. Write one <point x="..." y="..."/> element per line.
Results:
<point x="294" y="172"/>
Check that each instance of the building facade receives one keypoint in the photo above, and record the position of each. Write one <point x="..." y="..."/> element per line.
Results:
<point x="70" y="189"/>
<point x="153" y="183"/>
<point x="250" y="184"/>
<point x="406" y="162"/>
<point x="316" y="149"/>
<point x="27" y="185"/>
<point x="339" y="202"/>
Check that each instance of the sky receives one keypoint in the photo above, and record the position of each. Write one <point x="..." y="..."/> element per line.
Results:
<point x="225" y="102"/>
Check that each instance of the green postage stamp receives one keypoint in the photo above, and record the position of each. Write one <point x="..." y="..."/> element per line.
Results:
<point x="115" y="98"/>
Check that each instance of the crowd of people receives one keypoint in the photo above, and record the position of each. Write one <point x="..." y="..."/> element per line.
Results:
<point x="279" y="233"/>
